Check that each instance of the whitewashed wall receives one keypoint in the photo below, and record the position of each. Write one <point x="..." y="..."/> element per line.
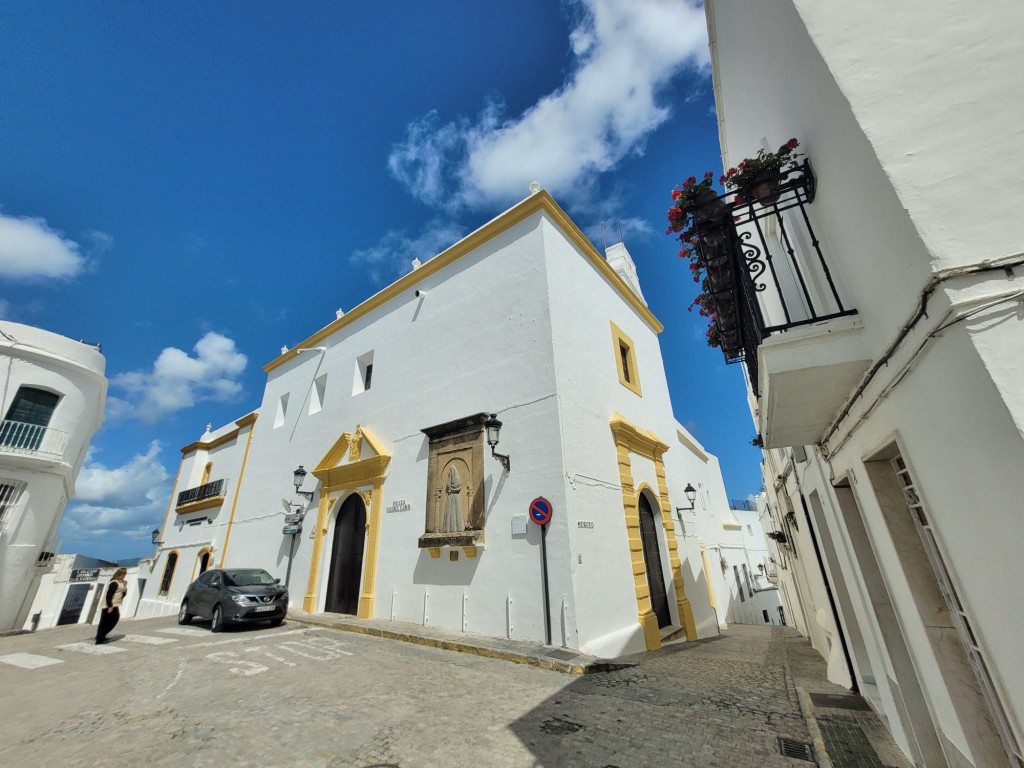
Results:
<point x="902" y="112"/>
<point x="33" y="357"/>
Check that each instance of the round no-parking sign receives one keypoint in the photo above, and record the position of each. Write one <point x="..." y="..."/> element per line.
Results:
<point x="540" y="510"/>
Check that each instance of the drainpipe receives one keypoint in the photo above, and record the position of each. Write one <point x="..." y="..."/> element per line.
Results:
<point x="831" y="599"/>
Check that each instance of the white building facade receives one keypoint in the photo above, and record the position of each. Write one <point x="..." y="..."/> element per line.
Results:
<point x="879" y="305"/>
<point x="53" y="394"/>
<point x="411" y="517"/>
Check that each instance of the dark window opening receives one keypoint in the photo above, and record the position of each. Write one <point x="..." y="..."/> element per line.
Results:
<point x="367" y="376"/>
<point x="165" y="583"/>
<point x="624" y="352"/>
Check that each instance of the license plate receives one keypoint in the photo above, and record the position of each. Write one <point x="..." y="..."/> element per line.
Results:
<point x="264" y="608"/>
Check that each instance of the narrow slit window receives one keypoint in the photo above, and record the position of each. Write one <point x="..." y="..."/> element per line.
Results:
<point x="316" y="395"/>
<point x="625" y="360"/>
<point x="363" y="376"/>
<point x="282" y="411"/>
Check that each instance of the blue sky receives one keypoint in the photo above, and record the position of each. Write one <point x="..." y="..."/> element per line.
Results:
<point x="194" y="185"/>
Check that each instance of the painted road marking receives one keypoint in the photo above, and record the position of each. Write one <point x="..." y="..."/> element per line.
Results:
<point x="315" y="647"/>
<point x="261" y="636"/>
<point x="186" y="631"/>
<point x="148" y="639"/>
<point x="92" y="648"/>
<point x="28" y="660"/>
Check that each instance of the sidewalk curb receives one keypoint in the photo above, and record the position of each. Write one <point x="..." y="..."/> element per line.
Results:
<point x="824" y="761"/>
<point x="575" y="667"/>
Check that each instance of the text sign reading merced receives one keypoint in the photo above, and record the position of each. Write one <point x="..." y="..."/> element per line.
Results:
<point x="540" y="510"/>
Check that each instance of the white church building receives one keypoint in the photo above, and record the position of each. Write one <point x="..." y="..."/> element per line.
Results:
<point x="413" y="514"/>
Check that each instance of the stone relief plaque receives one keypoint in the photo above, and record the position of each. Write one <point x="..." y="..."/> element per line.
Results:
<point x="455" y="478"/>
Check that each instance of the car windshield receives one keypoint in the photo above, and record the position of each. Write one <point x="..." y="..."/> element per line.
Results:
<point x="247" y="578"/>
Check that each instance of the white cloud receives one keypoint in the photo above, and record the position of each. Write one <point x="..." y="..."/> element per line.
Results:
<point x="129" y="500"/>
<point x="392" y="256"/>
<point x="126" y="485"/>
<point x="179" y="380"/>
<point x="31" y="250"/>
<point x="625" y="53"/>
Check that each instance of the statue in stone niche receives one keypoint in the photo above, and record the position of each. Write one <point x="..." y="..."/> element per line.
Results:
<point x="453" y="519"/>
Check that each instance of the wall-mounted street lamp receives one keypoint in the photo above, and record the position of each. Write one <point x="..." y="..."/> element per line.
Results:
<point x="298" y="476"/>
<point x="493" y="427"/>
<point x="691" y="496"/>
<point x="155" y="538"/>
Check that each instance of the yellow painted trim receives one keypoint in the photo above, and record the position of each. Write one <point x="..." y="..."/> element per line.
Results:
<point x="630" y="438"/>
<point x="707" y="575"/>
<point x="323" y="509"/>
<point x="435" y="552"/>
<point x="196" y="506"/>
<point x="621" y="341"/>
<point x="470" y="551"/>
<point x="692" y="447"/>
<point x="346" y="478"/>
<point x="177" y="561"/>
<point x="542" y="201"/>
<point x="246" y="421"/>
<point x="250" y="422"/>
<point x="170" y="502"/>
<point x="732" y="526"/>
<point x="207" y="471"/>
<point x="199" y="556"/>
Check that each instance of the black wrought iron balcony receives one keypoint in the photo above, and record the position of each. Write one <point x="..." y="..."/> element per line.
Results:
<point x="766" y="272"/>
<point x="207" y="492"/>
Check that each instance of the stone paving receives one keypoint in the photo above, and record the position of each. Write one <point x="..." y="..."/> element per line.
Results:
<point x="312" y="696"/>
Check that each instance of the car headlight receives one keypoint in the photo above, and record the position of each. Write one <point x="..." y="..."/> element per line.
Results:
<point x="240" y="599"/>
<point x="284" y="596"/>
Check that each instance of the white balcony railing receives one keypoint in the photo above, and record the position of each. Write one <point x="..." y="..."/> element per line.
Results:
<point x="32" y="440"/>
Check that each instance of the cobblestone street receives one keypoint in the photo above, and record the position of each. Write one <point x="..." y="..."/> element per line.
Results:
<point x="302" y="696"/>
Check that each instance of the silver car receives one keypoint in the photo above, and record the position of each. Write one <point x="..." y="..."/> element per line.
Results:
<point x="234" y="596"/>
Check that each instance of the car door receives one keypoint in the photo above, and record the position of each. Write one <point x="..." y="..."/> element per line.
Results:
<point x="212" y="592"/>
<point x="199" y="597"/>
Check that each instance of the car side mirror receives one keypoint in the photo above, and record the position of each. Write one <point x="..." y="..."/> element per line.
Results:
<point x="277" y="581"/>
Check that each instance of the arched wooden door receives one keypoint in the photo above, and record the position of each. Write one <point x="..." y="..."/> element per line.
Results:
<point x="347" y="557"/>
<point x="652" y="559"/>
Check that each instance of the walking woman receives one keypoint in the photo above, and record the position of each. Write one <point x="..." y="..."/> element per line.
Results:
<point x="111" y="612"/>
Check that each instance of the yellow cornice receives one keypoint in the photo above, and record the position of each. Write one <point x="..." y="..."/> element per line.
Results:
<point x="246" y="421"/>
<point x="691" y="446"/>
<point x="637" y="440"/>
<point x="541" y="201"/>
<point x="345" y="476"/>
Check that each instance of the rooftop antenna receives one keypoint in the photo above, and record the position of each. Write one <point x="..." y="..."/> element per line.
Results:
<point x="604" y="238"/>
<point x="618" y="223"/>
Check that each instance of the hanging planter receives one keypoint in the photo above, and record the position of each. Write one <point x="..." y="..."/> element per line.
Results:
<point x="765" y="188"/>
<point x="759" y="177"/>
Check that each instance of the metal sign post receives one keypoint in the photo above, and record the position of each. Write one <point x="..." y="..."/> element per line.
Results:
<point x="292" y="527"/>
<point x="540" y="513"/>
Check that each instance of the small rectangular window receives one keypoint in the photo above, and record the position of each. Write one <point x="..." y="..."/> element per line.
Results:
<point x="282" y="411"/>
<point x="316" y="394"/>
<point x="363" y="377"/>
<point x="625" y="360"/>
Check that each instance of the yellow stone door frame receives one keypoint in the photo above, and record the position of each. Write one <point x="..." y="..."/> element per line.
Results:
<point x="631" y="439"/>
<point x="337" y="482"/>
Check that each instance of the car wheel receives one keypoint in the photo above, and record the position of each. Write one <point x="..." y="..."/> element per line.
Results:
<point x="276" y="622"/>
<point x="184" y="617"/>
<point x="217" y="622"/>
